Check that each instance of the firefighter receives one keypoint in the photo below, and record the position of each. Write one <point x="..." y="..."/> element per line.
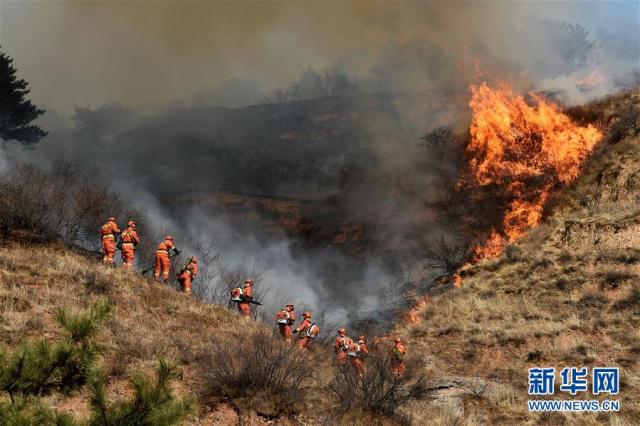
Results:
<point x="303" y="329"/>
<point x="108" y="232"/>
<point x="357" y="357"/>
<point x="342" y="342"/>
<point x="130" y="240"/>
<point x="285" y="318"/>
<point x="187" y="274"/>
<point x="244" y="305"/>
<point x="162" y="263"/>
<point x="398" y="352"/>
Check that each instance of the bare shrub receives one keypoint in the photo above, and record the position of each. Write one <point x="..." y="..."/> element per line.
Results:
<point x="379" y="390"/>
<point x="60" y="202"/>
<point x="259" y="368"/>
<point x="446" y="254"/>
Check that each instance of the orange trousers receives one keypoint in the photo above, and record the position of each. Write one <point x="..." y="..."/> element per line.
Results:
<point x="108" y="249"/>
<point x="304" y="342"/>
<point x="128" y="254"/>
<point x="244" y="309"/>
<point x="162" y="265"/>
<point x="185" y="282"/>
<point x="358" y="364"/>
<point x="341" y="356"/>
<point x="285" y="331"/>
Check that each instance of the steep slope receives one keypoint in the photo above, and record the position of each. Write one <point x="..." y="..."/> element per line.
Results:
<point x="566" y="295"/>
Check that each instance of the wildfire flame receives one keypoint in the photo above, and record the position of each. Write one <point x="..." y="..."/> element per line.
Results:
<point x="523" y="152"/>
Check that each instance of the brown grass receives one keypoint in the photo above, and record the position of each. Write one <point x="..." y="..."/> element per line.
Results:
<point x="557" y="298"/>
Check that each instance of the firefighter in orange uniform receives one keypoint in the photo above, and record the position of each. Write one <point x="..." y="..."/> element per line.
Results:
<point x="187" y="274"/>
<point x="108" y="232"/>
<point x="247" y="294"/>
<point x="162" y="263"/>
<point x="302" y="330"/>
<point x="398" y="352"/>
<point x="130" y="240"/>
<point x="285" y="318"/>
<point x="358" y="353"/>
<point x="342" y="342"/>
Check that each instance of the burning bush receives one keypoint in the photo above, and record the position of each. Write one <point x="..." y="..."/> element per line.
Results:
<point x="517" y="155"/>
<point x="267" y="374"/>
<point x="379" y="390"/>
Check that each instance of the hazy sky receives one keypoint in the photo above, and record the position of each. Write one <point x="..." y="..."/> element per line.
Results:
<point x="148" y="53"/>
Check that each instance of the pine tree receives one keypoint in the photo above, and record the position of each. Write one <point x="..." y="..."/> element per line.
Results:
<point x="153" y="402"/>
<point x="16" y="112"/>
<point x="42" y="368"/>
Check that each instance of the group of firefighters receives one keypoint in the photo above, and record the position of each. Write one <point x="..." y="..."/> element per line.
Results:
<point x="127" y="243"/>
<point x="347" y="349"/>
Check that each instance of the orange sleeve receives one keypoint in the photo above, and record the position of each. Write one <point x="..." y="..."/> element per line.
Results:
<point x="194" y="269"/>
<point x="134" y="236"/>
<point x="114" y="227"/>
<point x="248" y="292"/>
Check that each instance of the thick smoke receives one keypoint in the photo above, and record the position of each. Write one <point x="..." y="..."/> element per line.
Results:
<point x="180" y="106"/>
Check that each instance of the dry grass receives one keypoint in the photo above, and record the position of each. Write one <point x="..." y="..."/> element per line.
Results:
<point x="555" y="299"/>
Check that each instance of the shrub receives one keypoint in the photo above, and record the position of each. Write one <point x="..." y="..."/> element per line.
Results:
<point x="378" y="390"/>
<point x="40" y="368"/>
<point x="259" y="367"/>
<point x="59" y="203"/>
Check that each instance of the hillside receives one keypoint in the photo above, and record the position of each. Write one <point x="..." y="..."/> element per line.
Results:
<point x="566" y="295"/>
<point x="150" y="320"/>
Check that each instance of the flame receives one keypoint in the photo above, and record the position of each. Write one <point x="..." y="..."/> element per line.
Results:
<point x="413" y="316"/>
<point x="523" y="152"/>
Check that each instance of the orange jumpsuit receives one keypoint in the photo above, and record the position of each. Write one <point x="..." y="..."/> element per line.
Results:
<point x="108" y="233"/>
<point x="129" y="241"/>
<point x="163" y="264"/>
<point x="187" y="276"/>
<point x="341" y="354"/>
<point x="357" y="361"/>
<point x="285" y="328"/>
<point x="303" y="339"/>
<point x="244" y="306"/>
<point x="397" y="366"/>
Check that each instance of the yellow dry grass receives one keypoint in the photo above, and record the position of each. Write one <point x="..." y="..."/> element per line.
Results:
<point x="567" y="295"/>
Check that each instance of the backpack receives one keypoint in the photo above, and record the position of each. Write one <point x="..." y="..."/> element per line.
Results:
<point x="185" y="265"/>
<point x="313" y="331"/>
<point x="282" y="317"/>
<point x="346" y="342"/>
<point x="236" y="294"/>
<point x="353" y="350"/>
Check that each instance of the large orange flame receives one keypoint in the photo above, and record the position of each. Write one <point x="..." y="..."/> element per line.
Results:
<point x="522" y="151"/>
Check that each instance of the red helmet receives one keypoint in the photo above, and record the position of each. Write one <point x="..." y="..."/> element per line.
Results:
<point x="342" y="331"/>
<point x="131" y="223"/>
<point x="111" y="219"/>
<point x="307" y="314"/>
<point x="168" y="237"/>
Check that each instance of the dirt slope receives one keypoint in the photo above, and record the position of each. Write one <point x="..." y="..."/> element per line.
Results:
<point x="567" y="295"/>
